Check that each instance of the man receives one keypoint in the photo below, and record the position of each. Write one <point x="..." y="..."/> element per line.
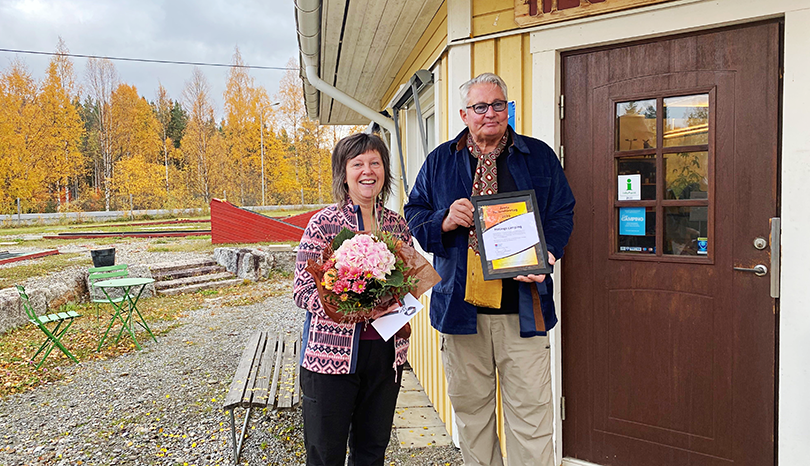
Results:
<point x="494" y="324"/>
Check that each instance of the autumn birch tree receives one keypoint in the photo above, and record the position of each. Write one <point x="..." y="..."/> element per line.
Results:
<point x="291" y="113"/>
<point x="22" y="167"/>
<point x="163" y="112"/>
<point x="63" y="130"/>
<point x="102" y="79"/>
<point x="135" y="146"/>
<point x="242" y="132"/>
<point x="201" y="142"/>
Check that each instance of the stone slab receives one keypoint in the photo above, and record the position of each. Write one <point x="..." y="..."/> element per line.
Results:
<point x="162" y="284"/>
<point x="417" y="417"/>
<point x="413" y="399"/>
<point x="255" y="263"/>
<point x="277" y="247"/>
<point x="422" y="437"/>
<point x="201" y="286"/>
<point x="409" y="382"/>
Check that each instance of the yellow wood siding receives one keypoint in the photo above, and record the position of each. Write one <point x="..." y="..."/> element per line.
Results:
<point x="483" y="57"/>
<point x="426" y="51"/>
<point x="511" y="59"/>
<point x="491" y="16"/>
<point x="526" y="107"/>
<point x="400" y="187"/>
<point x="484" y="7"/>
<point x="445" y="103"/>
<point x="424" y="356"/>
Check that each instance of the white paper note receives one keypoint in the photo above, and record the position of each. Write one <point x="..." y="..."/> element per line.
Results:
<point x="389" y="324"/>
<point x="511" y="237"/>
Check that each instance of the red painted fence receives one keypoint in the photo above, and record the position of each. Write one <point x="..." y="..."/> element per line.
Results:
<point x="231" y="224"/>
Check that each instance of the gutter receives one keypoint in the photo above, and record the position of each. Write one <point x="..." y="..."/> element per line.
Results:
<point x="308" y="19"/>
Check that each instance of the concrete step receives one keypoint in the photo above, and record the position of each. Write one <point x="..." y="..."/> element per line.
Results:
<point x="189" y="271"/>
<point x="164" y="269"/>
<point x="211" y="277"/>
<point x="200" y="286"/>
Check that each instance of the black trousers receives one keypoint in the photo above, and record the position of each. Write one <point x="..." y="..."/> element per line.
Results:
<point x="355" y="409"/>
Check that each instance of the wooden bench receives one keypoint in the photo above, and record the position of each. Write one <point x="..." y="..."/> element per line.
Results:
<point x="267" y="376"/>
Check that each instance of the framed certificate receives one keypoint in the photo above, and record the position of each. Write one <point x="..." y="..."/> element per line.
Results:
<point x="510" y="235"/>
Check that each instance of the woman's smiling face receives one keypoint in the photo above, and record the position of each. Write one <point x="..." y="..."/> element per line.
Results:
<point x="365" y="176"/>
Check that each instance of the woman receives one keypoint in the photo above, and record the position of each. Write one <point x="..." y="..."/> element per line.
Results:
<point x="350" y="376"/>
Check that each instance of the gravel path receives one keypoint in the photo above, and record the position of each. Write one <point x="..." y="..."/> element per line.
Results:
<point x="163" y="405"/>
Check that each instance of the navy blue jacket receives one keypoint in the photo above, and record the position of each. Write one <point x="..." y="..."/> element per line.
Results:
<point x="445" y="177"/>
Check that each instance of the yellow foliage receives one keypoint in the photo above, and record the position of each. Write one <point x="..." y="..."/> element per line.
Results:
<point x="22" y="152"/>
<point x="114" y="149"/>
<point x="63" y="130"/>
<point x="202" y="145"/>
<point x="136" y="146"/>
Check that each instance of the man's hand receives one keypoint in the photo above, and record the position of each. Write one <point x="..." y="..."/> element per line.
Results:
<point x="459" y="215"/>
<point x="536" y="278"/>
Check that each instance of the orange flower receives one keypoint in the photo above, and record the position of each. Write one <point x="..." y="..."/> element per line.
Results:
<point x="329" y="279"/>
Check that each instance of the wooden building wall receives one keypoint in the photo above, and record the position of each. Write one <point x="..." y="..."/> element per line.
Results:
<point x="508" y="57"/>
<point x="491" y="16"/>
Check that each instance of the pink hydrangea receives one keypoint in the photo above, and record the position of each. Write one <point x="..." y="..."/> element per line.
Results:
<point x="363" y="255"/>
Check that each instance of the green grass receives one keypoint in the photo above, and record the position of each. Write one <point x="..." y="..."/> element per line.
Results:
<point x="24" y="270"/>
<point x="10" y="228"/>
<point x="19" y="344"/>
<point x="283" y="213"/>
<point x="57" y="243"/>
<point x="200" y="244"/>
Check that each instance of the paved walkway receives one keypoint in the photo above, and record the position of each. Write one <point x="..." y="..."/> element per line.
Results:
<point x="416" y="422"/>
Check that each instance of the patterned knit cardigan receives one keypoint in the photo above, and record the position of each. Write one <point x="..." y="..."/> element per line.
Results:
<point x="331" y="347"/>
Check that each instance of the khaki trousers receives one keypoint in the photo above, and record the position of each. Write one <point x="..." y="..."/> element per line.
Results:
<point x="523" y="366"/>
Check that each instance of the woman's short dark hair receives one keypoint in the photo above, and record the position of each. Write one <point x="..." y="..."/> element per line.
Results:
<point x="349" y="148"/>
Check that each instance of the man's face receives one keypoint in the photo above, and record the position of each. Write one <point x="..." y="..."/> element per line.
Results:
<point x="489" y="126"/>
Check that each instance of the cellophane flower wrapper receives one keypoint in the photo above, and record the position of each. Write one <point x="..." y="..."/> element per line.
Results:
<point x="361" y="275"/>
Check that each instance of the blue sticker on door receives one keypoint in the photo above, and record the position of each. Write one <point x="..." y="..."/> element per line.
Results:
<point x="632" y="221"/>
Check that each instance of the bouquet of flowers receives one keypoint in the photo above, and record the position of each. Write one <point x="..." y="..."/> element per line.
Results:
<point x="362" y="275"/>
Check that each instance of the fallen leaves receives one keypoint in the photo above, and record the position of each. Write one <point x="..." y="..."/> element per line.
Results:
<point x="18" y="345"/>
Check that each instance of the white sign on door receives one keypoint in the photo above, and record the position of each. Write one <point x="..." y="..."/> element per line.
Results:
<point x="629" y="187"/>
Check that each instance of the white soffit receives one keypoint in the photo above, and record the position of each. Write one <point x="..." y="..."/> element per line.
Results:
<point x="363" y="45"/>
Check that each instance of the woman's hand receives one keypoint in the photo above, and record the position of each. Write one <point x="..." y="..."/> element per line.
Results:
<point x="405" y="331"/>
<point x="385" y="308"/>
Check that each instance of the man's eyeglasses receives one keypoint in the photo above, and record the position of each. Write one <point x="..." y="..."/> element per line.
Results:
<point x="481" y="107"/>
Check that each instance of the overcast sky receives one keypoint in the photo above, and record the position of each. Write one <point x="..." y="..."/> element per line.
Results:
<point x="181" y="30"/>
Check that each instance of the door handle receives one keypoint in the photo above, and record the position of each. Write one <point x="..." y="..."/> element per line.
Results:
<point x="776" y="255"/>
<point x="759" y="270"/>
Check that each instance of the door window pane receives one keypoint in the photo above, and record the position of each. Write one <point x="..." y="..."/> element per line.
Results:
<point x="636" y="230"/>
<point x="687" y="175"/>
<point x="643" y="165"/>
<point x="686" y="231"/>
<point x="635" y="125"/>
<point x="686" y="120"/>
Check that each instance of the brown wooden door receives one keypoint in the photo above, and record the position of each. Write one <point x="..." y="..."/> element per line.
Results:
<point x="671" y="150"/>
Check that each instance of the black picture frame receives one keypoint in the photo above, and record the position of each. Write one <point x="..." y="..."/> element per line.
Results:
<point x="493" y="271"/>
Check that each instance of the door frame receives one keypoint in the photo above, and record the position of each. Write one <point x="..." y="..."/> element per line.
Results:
<point x="547" y="45"/>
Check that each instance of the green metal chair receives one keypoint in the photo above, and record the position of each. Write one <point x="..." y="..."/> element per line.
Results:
<point x="54" y="334"/>
<point x="97" y="274"/>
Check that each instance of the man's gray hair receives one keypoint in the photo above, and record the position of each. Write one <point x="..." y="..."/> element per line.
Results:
<point x="483" y="78"/>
